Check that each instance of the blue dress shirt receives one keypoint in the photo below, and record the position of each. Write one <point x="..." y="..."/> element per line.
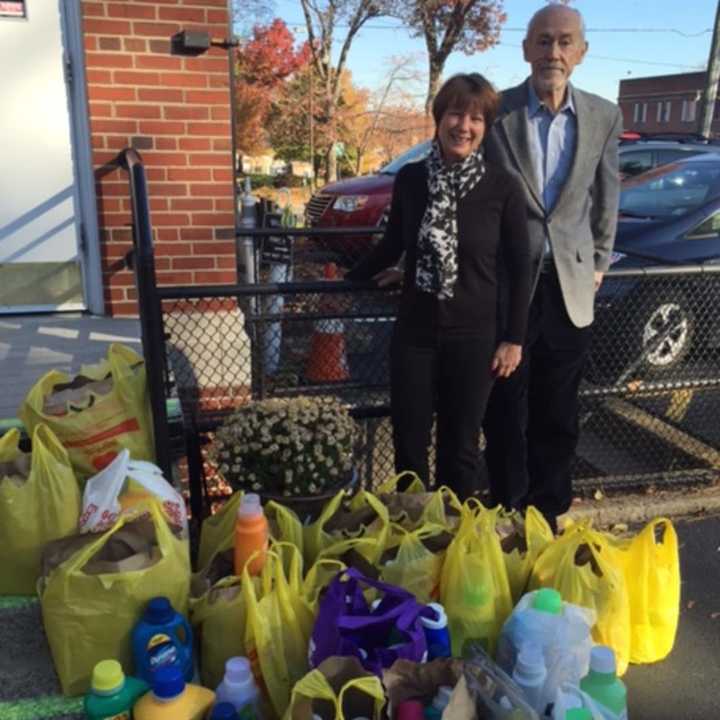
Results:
<point x="553" y="137"/>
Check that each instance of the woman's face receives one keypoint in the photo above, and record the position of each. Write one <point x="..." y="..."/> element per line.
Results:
<point x="460" y="133"/>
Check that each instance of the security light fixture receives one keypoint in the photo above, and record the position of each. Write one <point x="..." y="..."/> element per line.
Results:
<point x="194" y="42"/>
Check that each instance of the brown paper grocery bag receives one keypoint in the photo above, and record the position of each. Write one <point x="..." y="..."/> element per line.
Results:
<point x="338" y="689"/>
<point x="407" y="680"/>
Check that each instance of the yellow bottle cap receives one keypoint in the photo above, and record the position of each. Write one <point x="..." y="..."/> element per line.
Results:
<point x="107" y="677"/>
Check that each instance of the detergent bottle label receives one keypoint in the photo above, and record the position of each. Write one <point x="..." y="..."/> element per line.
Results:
<point x="161" y="651"/>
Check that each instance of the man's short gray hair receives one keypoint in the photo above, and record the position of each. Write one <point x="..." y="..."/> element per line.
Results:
<point x="542" y="10"/>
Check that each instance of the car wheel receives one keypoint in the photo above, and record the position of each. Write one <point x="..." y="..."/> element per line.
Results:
<point x="667" y="333"/>
<point x="649" y="335"/>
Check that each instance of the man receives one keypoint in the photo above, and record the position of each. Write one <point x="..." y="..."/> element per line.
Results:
<point x="562" y="142"/>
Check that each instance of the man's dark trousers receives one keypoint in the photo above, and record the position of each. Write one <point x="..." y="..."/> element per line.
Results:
<point x="538" y="401"/>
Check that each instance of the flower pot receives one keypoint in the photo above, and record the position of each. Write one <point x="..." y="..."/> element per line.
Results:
<point x="309" y="507"/>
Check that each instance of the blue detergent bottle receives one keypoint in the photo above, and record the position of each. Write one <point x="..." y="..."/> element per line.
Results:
<point x="162" y="638"/>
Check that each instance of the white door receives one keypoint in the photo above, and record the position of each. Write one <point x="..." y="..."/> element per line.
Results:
<point x="41" y="263"/>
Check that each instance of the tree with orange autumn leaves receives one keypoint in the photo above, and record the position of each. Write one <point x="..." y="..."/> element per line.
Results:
<point x="263" y="64"/>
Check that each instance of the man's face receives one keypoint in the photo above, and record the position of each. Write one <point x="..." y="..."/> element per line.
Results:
<point x="553" y="47"/>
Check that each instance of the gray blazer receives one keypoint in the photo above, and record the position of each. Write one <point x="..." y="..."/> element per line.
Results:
<point x="581" y="225"/>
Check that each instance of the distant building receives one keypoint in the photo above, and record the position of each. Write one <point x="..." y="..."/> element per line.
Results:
<point x="664" y="103"/>
<point x="301" y="168"/>
<point x="268" y="164"/>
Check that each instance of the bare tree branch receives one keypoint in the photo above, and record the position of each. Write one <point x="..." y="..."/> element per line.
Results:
<point x="321" y="17"/>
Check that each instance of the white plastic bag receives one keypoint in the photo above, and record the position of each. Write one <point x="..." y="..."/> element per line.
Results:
<point x="564" y="638"/>
<point x="122" y="484"/>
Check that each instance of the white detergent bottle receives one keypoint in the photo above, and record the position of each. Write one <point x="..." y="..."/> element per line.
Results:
<point x="238" y="688"/>
<point x="530" y="674"/>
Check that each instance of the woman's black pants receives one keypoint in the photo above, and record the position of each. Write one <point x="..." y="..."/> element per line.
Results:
<point x="449" y="376"/>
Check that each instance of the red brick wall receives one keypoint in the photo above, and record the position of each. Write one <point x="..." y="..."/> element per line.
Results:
<point x="662" y="88"/>
<point x="176" y="112"/>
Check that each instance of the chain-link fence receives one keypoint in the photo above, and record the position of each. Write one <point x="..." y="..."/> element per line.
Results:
<point x="651" y="395"/>
<point x="650" y="398"/>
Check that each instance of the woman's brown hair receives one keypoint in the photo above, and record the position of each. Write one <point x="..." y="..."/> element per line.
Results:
<point x="463" y="91"/>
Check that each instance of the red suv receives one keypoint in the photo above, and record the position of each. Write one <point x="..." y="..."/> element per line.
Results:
<point x="357" y="202"/>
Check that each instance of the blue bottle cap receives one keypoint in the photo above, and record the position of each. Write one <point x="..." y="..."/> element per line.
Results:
<point x="159" y="611"/>
<point x="224" y="711"/>
<point x="168" y="682"/>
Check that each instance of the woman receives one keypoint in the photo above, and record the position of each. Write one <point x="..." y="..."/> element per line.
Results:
<point x="455" y="218"/>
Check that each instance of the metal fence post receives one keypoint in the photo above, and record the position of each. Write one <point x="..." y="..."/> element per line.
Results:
<point x="245" y="245"/>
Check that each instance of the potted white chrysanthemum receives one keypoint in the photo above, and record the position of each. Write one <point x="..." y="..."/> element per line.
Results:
<point x="297" y="451"/>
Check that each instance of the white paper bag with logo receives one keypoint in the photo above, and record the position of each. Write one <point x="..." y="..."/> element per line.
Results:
<point x="120" y="486"/>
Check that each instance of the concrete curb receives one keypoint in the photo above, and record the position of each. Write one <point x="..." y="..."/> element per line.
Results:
<point x="640" y="508"/>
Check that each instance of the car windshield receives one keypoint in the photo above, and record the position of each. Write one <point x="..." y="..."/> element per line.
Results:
<point x="417" y="152"/>
<point x="671" y="190"/>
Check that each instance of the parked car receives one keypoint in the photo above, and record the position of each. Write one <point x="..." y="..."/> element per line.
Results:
<point x="357" y="202"/>
<point x="364" y="201"/>
<point x="648" y="326"/>
<point x="640" y="155"/>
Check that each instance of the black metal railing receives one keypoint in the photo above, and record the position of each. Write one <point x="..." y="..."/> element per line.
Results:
<point x="151" y="323"/>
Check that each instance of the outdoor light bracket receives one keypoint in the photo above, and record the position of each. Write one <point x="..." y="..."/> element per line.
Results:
<point x="195" y="42"/>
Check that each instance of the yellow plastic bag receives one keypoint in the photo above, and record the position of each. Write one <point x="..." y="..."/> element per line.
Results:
<point x="418" y="560"/>
<point x="217" y="531"/>
<point x="390" y="485"/>
<point x="105" y="408"/>
<point x="367" y="517"/>
<point x="415" y="507"/>
<point x="338" y="689"/>
<point x="278" y="627"/>
<point x="318" y="578"/>
<point x="474" y="586"/>
<point x="285" y="525"/>
<point x="652" y="571"/>
<point x="443" y="508"/>
<point x="354" y="552"/>
<point x="92" y="597"/>
<point x="522" y="543"/>
<point x="583" y="565"/>
<point x="39" y="502"/>
<point x="218" y="617"/>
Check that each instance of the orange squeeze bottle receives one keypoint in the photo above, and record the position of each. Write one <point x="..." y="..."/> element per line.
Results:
<point x="252" y="535"/>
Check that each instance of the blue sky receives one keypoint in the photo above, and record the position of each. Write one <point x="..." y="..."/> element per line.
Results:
<point x="628" y="38"/>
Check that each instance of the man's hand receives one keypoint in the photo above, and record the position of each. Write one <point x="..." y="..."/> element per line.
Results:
<point x="506" y="359"/>
<point x="598" y="279"/>
<point x="389" y="276"/>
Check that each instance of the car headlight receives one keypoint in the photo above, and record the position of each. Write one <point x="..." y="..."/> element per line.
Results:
<point x="349" y="203"/>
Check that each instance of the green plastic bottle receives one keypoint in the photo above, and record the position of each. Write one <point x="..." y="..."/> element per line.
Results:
<point x="578" y="714"/>
<point x="112" y="695"/>
<point x="548" y="600"/>
<point x="602" y="683"/>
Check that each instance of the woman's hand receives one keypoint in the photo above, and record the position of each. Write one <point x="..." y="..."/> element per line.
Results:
<point x="506" y="359"/>
<point x="389" y="276"/>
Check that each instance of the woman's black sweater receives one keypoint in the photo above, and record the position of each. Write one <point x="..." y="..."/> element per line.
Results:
<point x="492" y="235"/>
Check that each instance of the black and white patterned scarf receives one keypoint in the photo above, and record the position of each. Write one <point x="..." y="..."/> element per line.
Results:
<point x="437" y="248"/>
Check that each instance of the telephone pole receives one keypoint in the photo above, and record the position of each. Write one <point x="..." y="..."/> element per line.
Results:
<point x="712" y="77"/>
<point x="312" y="127"/>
